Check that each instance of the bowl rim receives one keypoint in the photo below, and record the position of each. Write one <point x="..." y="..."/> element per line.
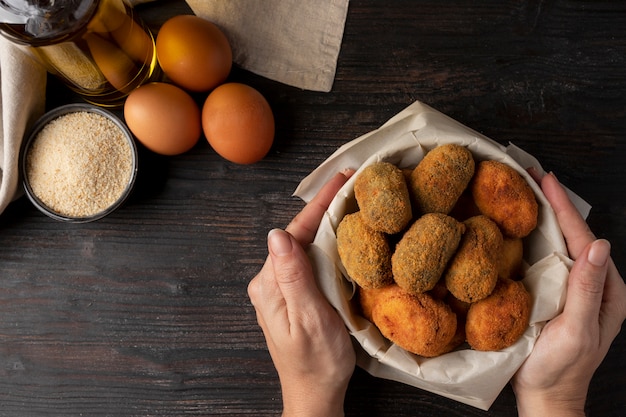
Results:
<point x="62" y="111"/>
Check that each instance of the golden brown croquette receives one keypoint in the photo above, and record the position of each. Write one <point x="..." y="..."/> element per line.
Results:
<point x="499" y="320"/>
<point x="473" y="271"/>
<point x="383" y="197"/>
<point x="503" y="195"/>
<point x="440" y="178"/>
<point x="364" y="252"/>
<point x="422" y="253"/>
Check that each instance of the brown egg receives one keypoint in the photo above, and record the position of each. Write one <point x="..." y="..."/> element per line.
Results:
<point x="238" y="123"/>
<point x="164" y="118"/>
<point x="193" y="53"/>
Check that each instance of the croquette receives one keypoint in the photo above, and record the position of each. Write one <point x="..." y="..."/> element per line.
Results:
<point x="436" y="251"/>
<point x="383" y="198"/>
<point x="440" y="178"/>
<point x="503" y="195"/>
<point x="457" y="340"/>
<point x="422" y="253"/>
<point x="370" y="297"/>
<point x="510" y="262"/>
<point x="473" y="271"/>
<point x="499" y="320"/>
<point x="364" y="252"/>
<point x="419" y="324"/>
<point x="460" y="308"/>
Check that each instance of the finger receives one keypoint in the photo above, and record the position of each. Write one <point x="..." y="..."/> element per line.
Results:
<point x="614" y="302"/>
<point x="586" y="284"/>
<point x="575" y="230"/>
<point x="269" y="339"/>
<point x="258" y="285"/>
<point x="535" y="174"/>
<point x="266" y="297"/>
<point x="307" y="219"/>
<point x="304" y="226"/>
<point x="294" y="274"/>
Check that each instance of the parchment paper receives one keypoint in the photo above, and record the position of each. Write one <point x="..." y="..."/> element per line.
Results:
<point x="471" y="377"/>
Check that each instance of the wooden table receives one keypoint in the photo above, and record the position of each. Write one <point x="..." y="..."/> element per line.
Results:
<point x="145" y="313"/>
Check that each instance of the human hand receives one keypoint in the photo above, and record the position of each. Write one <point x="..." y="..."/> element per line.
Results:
<point x="306" y="338"/>
<point x="555" y="378"/>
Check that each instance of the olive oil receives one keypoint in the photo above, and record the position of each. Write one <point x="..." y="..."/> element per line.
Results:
<point x="99" y="48"/>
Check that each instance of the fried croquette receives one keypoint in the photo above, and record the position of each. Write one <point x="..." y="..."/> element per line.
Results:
<point x="364" y="252"/>
<point x="510" y="262"/>
<point x="457" y="340"/>
<point x="473" y="271"/>
<point x="370" y="297"/>
<point x="460" y="308"/>
<point x="499" y="320"/>
<point x="503" y="195"/>
<point x="383" y="198"/>
<point x="419" y="324"/>
<point x="440" y="178"/>
<point x="422" y="253"/>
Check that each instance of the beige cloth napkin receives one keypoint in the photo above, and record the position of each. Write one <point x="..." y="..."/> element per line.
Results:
<point x="22" y="98"/>
<point x="295" y="42"/>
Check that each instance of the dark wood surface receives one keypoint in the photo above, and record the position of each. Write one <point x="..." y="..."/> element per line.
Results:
<point x="145" y="313"/>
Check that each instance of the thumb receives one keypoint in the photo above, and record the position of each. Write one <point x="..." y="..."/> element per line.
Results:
<point x="292" y="270"/>
<point x="586" y="282"/>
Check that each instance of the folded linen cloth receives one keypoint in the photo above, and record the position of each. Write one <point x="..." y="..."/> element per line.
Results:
<point x="22" y="98"/>
<point x="295" y="42"/>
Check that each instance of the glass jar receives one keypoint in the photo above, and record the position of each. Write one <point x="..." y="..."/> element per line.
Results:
<point x="99" y="48"/>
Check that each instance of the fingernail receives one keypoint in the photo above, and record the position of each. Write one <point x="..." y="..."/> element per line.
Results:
<point x="599" y="252"/>
<point x="347" y="172"/>
<point x="279" y="242"/>
<point x="553" y="175"/>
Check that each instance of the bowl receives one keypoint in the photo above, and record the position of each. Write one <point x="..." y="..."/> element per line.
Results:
<point x="79" y="163"/>
<point x="465" y="375"/>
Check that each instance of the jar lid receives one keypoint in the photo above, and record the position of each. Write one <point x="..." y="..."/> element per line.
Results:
<point x="36" y="21"/>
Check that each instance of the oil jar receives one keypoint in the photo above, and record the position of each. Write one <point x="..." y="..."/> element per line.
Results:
<point x="99" y="48"/>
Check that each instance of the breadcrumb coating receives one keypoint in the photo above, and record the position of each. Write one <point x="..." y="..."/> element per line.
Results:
<point x="364" y="252"/>
<point x="383" y="197"/>
<point x="499" y="320"/>
<point x="473" y="271"/>
<point x="510" y="260"/>
<point x="440" y="178"/>
<point x="420" y="257"/>
<point x="503" y="195"/>
<point x="420" y="324"/>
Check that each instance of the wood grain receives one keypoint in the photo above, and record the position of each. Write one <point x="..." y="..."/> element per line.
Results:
<point x="145" y="313"/>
